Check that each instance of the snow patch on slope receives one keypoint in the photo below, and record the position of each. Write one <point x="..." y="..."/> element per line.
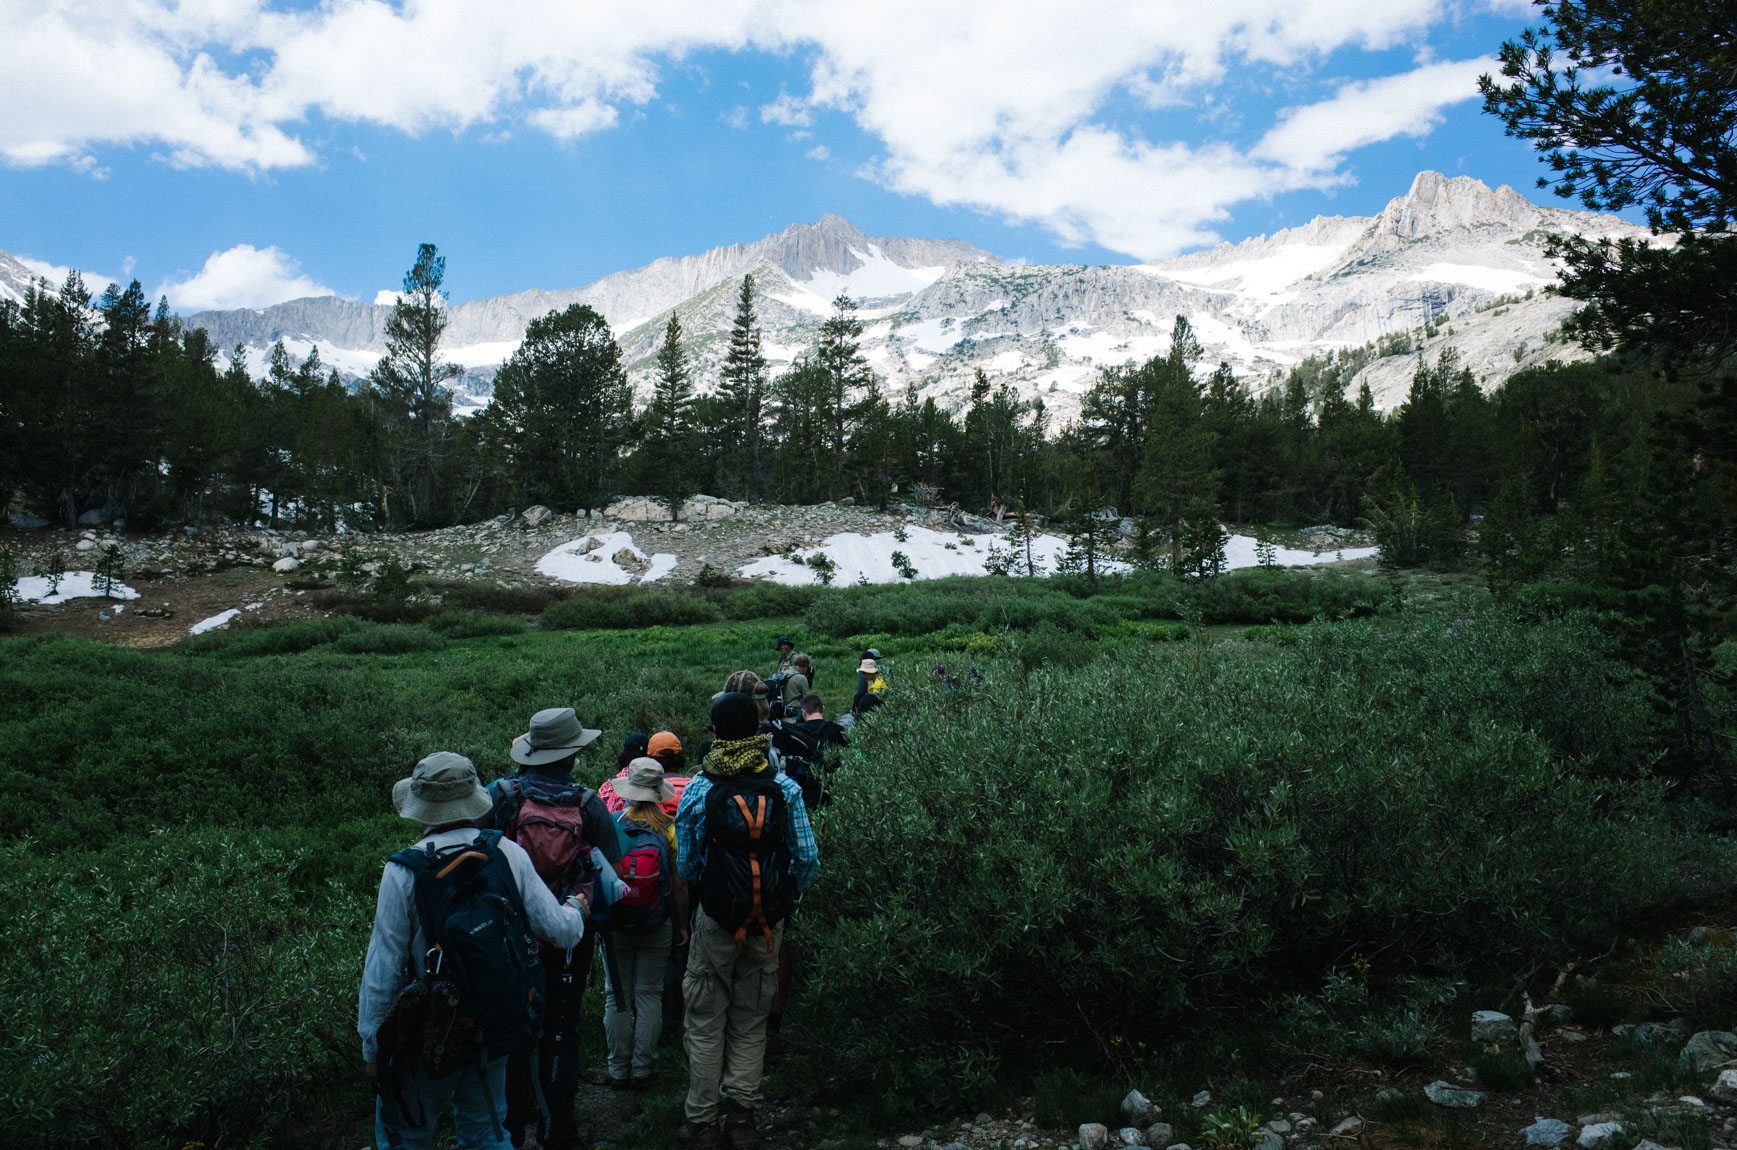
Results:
<point x="877" y="278"/>
<point x="73" y="585"/>
<point x="1506" y="281"/>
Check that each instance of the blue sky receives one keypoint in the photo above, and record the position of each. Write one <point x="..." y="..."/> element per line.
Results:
<point x="234" y="152"/>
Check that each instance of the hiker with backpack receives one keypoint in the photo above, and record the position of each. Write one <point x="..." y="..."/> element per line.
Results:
<point x="744" y="841"/>
<point x="574" y="847"/>
<point x="666" y="748"/>
<point x="644" y="924"/>
<point x="453" y="981"/>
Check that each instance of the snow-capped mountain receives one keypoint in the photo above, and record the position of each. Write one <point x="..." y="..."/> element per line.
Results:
<point x="1450" y="253"/>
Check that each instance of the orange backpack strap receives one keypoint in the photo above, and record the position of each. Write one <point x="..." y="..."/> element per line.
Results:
<point x="756" y="824"/>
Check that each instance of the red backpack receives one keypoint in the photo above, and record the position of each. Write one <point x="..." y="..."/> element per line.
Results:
<point x="550" y="825"/>
<point x="644" y="870"/>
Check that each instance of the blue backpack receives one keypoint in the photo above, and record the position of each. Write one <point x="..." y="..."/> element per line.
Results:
<point x="482" y="978"/>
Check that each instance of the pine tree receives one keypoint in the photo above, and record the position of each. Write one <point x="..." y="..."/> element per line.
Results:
<point x="561" y="412"/>
<point x="740" y="451"/>
<point x="669" y="446"/>
<point x="410" y="381"/>
<point x="1177" y="484"/>
<point x="839" y="356"/>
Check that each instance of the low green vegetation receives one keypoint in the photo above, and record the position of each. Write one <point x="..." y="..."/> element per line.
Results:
<point x="1104" y="828"/>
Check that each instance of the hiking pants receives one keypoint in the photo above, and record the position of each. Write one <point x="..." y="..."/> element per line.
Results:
<point x="478" y="1097"/>
<point x="633" y="1011"/>
<point x="554" y="1058"/>
<point x="729" y="994"/>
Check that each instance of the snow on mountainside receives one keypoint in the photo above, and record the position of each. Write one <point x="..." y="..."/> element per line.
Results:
<point x="1451" y="254"/>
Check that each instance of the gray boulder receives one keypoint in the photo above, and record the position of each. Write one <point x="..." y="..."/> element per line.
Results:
<point x="1131" y="1136"/>
<point x="25" y="522"/>
<point x="1725" y="1089"/>
<point x="1454" y="1097"/>
<point x="285" y="565"/>
<point x="1160" y="1134"/>
<point x="1492" y="1026"/>
<point x="1138" y="1109"/>
<point x="536" y="516"/>
<point x="1598" y="1135"/>
<point x="92" y="519"/>
<point x="1709" y="1050"/>
<point x="1548" y="1132"/>
<point x="1094" y="1136"/>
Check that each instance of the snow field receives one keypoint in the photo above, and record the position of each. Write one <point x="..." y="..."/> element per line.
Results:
<point x="73" y="585"/>
<point x="869" y="558"/>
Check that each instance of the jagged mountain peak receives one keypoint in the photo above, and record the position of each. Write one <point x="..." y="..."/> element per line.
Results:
<point x="1438" y="203"/>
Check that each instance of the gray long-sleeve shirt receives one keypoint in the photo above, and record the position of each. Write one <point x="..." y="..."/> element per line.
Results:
<point x="396" y="948"/>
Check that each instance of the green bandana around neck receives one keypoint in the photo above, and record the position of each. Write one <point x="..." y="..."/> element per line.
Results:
<point x="731" y="757"/>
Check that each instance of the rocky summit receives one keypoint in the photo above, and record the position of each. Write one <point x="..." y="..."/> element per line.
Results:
<point x="1451" y="263"/>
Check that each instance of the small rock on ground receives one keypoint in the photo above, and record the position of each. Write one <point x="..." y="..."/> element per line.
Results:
<point x="1446" y="1094"/>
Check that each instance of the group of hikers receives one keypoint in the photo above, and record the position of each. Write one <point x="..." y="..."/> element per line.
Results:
<point x="486" y="928"/>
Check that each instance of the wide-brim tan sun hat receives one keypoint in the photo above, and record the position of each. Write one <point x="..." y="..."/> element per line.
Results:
<point x="645" y="783"/>
<point x="442" y="789"/>
<point x="555" y="733"/>
<point x="869" y="667"/>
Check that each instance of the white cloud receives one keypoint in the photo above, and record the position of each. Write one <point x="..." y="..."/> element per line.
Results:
<point x="243" y="276"/>
<point x="819" y="152"/>
<point x="1004" y="110"/>
<point x="736" y="117"/>
<point x="788" y="111"/>
<point x="1315" y="137"/>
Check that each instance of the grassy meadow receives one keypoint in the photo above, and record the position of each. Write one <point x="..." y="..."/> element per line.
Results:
<point x="1154" y="813"/>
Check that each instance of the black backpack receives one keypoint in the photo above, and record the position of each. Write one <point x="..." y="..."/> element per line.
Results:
<point x="482" y="987"/>
<point x="798" y="753"/>
<point x="746" y="882"/>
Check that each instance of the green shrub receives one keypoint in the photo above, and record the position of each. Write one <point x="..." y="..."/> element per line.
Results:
<point x="1047" y="645"/>
<point x="388" y="639"/>
<point x="1275" y="595"/>
<point x="285" y="638"/>
<point x="1595" y="1004"/>
<point x="1553" y="598"/>
<point x="198" y="988"/>
<point x="472" y="624"/>
<point x="1502" y="1070"/>
<point x="1157" y="838"/>
<point x="626" y="608"/>
<point x="1063" y="1099"/>
<point x="767" y="600"/>
<point x="494" y="599"/>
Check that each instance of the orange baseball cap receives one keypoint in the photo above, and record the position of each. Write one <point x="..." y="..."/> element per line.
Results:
<point x="662" y="743"/>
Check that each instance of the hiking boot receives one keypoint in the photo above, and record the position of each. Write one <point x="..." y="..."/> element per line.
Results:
<point x="739" y="1129"/>
<point x="699" y="1134"/>
<point x="640" y="1083"/>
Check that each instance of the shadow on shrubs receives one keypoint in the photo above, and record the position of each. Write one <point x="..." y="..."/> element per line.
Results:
<point x="1167" y="837"/>
<point x="624" y="608"/>
<point x="200" y="995"/>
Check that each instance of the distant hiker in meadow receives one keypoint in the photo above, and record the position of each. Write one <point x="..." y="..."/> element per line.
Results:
<point x="745" y="843"/>
<point x="573" y="843"/>
<point x="786" y="654"/>
<point x="868" y="674"/>
<point x="452" y="984"/>
<point x="645" y="923"/>
<point x="796" y="685"/>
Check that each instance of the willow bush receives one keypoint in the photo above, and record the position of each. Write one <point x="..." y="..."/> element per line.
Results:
<point x="1173" y="834"/>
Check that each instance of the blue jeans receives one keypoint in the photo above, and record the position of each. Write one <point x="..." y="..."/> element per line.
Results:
<point x="479" y="1104"/>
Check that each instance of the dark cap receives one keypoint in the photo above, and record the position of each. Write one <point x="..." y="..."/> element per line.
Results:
<point x="785" y="640"/>
<point x="734" y="716"/>
<point x="635" y="745"/>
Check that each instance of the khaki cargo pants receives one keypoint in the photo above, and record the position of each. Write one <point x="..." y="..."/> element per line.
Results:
<point x="728" y="995"/>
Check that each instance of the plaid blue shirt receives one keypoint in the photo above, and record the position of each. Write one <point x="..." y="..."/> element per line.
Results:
<point x="690" y="827"/>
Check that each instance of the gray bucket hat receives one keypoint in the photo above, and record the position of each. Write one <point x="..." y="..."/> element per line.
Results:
<point x="554" y="734"/>
<point x="442" y="789"/>
<point x="644" y="783"/>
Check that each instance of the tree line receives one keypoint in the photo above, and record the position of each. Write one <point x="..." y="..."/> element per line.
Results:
<point x="111" y="406"/>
